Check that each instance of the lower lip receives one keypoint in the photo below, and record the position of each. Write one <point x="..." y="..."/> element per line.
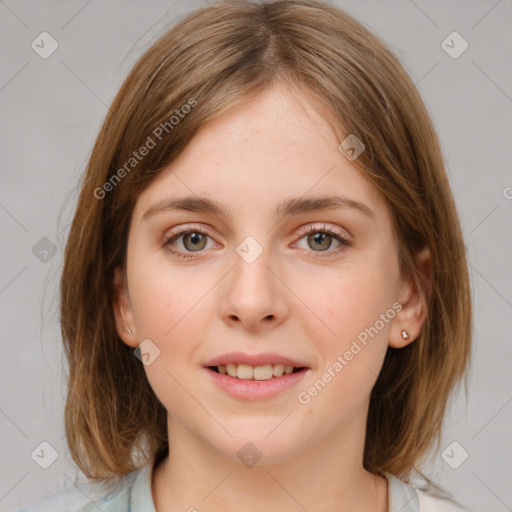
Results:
<point x="256" y="389"/>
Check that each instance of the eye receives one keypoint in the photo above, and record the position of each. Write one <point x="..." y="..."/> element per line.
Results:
<point x="194" y="240"/>
<point x="322" y="238"/>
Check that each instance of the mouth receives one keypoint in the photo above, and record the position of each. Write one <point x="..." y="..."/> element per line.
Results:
<point x="248" y="377"/>
<point x="265" y="381"/>
<point x="262" y="372"/>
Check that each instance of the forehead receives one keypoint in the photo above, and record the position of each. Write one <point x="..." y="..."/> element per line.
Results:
<point x="274" y="146"/>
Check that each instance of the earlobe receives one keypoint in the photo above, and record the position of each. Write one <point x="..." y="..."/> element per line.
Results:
<point x="124" y="321"/>
<point x="409" y="321"/>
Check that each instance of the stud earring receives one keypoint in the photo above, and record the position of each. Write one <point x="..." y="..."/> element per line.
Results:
<point x="405" y="334"/>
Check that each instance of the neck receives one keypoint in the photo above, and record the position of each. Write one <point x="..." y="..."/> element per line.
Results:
<point x="328" y="476"/>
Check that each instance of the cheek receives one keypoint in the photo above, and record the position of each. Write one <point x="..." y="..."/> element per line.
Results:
<point x="350" y="328"/>
<point x="348" y="300"/>
<point x="169" y="310"/>
<point x="164" y="296"/>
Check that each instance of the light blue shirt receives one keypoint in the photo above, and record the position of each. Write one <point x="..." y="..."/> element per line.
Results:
<point x="133" y="494"/>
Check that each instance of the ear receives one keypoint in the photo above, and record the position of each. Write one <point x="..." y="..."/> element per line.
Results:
<point x="122" y="310"/>
<point x="413" y="298"/>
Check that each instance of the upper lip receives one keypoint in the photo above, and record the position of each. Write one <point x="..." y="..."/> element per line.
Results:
<point x="254" y="359"/>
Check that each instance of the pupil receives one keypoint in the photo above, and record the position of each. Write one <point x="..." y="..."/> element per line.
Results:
<point x="319" y="238"/>
<point x="195" y="238"/>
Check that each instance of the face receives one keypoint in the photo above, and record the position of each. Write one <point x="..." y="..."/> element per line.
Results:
<point x="319" y="286"/>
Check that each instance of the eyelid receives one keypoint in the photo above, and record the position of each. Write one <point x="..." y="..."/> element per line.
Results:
<point x="302" y="231"/>
<point x="325" y="226"/>
<point x="344" y="241"/>
<point x="181" y="230"/>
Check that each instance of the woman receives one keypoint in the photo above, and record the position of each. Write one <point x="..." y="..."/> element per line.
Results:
<point x="266" y="224"/>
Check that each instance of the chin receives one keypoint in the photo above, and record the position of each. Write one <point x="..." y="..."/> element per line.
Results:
<point x="259" y="445"/>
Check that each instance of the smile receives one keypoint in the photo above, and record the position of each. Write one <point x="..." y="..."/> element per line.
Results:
<point x="250" y="388"/>
<point x="249" y="372"/>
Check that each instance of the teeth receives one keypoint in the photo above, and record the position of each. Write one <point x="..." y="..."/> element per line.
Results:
<point x="264" y="372"/>
<point x="248" y="372"/>
<point x="244" y="371"/>
<point x="231" y="369"/>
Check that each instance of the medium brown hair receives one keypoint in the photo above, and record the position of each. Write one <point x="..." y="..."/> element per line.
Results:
<point x="218" y="57"/>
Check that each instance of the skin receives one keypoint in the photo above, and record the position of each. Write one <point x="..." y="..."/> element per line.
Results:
<point x="273" y="147"/>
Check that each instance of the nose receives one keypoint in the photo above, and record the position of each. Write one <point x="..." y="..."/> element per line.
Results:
<point x="254" y="294"/>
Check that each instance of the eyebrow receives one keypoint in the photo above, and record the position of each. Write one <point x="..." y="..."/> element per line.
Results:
<point x="293" y="206"/>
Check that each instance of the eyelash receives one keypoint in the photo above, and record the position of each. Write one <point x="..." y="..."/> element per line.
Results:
<point x="311" y="229"/>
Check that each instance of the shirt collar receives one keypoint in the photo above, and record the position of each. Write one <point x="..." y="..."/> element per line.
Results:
<point x="141" y="499"/>
<point x="401" y="496"/>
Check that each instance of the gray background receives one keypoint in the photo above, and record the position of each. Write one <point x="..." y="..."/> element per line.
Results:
<point x="52" y="110"/>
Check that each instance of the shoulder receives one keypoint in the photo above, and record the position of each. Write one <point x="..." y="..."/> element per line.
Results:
<point x="407" y="498"/>
<point x="115" y="496"/>
<point x="430" y="503"/>
<point x="86" y="498"/>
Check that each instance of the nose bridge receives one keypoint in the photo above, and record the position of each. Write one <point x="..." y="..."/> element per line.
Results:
<point x="252" y="292"/>
<point x="251" y="262"/>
